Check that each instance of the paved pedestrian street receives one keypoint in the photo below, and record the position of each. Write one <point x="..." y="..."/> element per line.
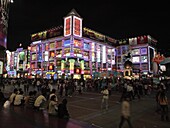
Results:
<point x="85" y="111"/>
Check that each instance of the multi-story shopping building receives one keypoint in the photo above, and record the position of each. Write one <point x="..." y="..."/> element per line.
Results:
<point x="75" y="51"/>
<point x="71" y="51"/>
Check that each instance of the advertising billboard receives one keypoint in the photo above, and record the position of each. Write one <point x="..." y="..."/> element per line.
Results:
<point x="4" y="10"/>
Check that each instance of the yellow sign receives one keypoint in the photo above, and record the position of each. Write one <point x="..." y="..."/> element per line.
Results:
<point x="50" y="73"/>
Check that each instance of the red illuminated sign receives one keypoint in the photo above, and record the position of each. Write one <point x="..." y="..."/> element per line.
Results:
<point x="77" y="27"/>
<point x="67" y="26"/>
<point x="77" y="24"/>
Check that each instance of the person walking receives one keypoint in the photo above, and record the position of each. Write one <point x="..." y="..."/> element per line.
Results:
<point x="163" y="101"/>
<point x="125" y="113"/>
<point x="105" y="98"/>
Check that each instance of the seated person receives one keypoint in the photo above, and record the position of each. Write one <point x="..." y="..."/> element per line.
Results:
<point x="62" y="110"/>
<point x="52" y="107"/>
<point x="39" y="102"/>
<point x="32" y="99"/>
<point x="12" y="96"/>
<point x="19" y="99"/>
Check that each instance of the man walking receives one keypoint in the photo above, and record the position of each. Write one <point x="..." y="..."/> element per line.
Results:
<point x="125" y="113"/>
<point x="105" y="98"/>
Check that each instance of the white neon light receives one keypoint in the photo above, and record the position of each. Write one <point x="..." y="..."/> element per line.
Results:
<point x="74" y="17"/>
<point x="104" y="54"/>
<point x="46" y="56"/>
<point x="36" y="42"/>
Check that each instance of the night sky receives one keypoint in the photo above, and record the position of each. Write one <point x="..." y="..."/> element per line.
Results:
<point x="116" y="19"/>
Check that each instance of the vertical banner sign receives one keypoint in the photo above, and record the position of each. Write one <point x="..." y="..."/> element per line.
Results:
<point x="1" y="67"/>
<point x="4" y="10"/>
<point x="77" y="26"/>
<point x="67" y="26"/>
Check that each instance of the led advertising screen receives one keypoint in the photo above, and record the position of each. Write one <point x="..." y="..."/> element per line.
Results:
<point x="21" y="56"/>
<point x="104" y="54"/>
<point x="135" y="59"/>
<point x="66" y="43"/>
<point x="86" y="46"/>
<point x="144" y="59"/>
<point x="143" y="51"/>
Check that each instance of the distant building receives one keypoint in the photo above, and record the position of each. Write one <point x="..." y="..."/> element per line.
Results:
<point x="141" y="50"/>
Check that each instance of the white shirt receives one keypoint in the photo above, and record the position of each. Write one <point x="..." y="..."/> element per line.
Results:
<point x="39" y="100"/>
<point x="105" y="94"/>
<point x="52" y="107"/>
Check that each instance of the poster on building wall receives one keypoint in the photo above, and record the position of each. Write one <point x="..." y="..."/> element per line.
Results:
<point x="1" y="67"/>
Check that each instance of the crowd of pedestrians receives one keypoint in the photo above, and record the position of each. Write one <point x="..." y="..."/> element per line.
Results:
<point x="40" y="94"/>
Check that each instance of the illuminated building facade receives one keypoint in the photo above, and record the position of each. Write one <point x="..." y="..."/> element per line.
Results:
<point x="141" y="49"/>
<point x="71" y="51"/>
<point x="18" y="63"/>
<point x="74" y="51"/>
<point x="4" y="11"/>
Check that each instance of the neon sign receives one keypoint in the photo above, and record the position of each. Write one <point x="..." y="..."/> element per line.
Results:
<point x="77" y="26"/>
<point x="67" y="26"/>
